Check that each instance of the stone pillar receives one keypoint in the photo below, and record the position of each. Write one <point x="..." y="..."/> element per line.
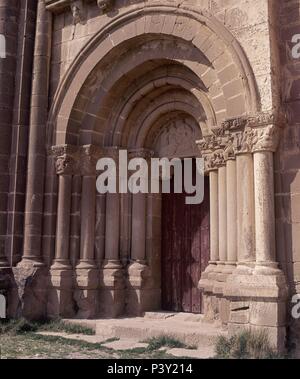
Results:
<point x="214" y="216"/>
<point x="231" y="215"/>
<point x="264" y="212"/>
<point x="245" y="213"/>
<point x="9" y="16"/>
<point x="222" y="195"/>
<point x="20" y="34"/>
<point x="268" y="287"/>
<point x="209" y="275"/>
<point x="257" y="289"/>
<point x="138" y="270"/>
<point x="37" y="139"/>
<point x="62" y="259"/>
<point x="112" y="281"/>
<point x="60" y="303"/>
<point x="87" y="278"/>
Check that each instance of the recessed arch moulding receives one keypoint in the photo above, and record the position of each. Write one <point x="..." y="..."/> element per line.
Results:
<point x="147" y="71"/>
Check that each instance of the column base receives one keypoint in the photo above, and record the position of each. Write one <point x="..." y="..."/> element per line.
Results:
<point x="258" y="302"/>
<point x="141" y="296"/>
<point x="221" y="276"/>
<point x="112" y="290"/>
<point x="61" y="265"/>
<point x="86" y="293"/>
<point x="27" y="296"/>
<point x="207" y="280"/>
<point x="60" y="299"/>
<point x="33" y="261"/>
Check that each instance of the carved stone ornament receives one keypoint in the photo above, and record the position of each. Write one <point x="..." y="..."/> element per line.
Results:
<point x="177" y="139"/>
<point x="266" y="139"/>
<point x="105" y="5"/>
<point x="209" y="143"/>
<point x="66" y="158"/>
<point x="77" y="10"/>
<point x="229" y="152"/>
<point x="214" y="161"/>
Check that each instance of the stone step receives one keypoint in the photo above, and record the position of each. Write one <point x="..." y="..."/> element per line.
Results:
<point x="182" y="327"/>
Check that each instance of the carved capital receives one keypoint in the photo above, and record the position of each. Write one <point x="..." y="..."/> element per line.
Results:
<point x="251" y="140"/>
<point x="266" y="138"/>
<point x="229" y="151"/>
<point x="105" y="5"/>
<point x="209" y="143"/>
<point x="214" y="160"/>
<point x="89" y="155"/>
<point x="231" y="124"/>
<point x="264" y="119"/>
<point x="77" y="9"/>
<point x="243" y="141"/>
<point x="66" y="157"/>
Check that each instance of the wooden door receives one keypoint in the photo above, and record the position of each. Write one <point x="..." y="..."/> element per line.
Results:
<point x="185" y="251"/>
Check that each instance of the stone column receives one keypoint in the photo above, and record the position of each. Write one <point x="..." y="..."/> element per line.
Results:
<point x="231" y="214"/>
<point x="10" y="19"/>
<point x="245" y="213"/>
<point x="112" y="282"/>
<point x="214" y="216"/>
<point x="209" y="275"/>
<point x="138" y="270"/>
<point x="60" y="302"/>
<point x="37" y="139"/>
<point x="87" y="278"/>
<point x="222" y="194"/>
<point x="265" y="200"/>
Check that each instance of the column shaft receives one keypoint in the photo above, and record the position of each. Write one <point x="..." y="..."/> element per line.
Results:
<point x="112" y="234"/>
<point x="88" y="208"/>
<point x="231" y="211"/>
<point x="63" y="222"/>
<point x="245" y="211"/>
<point x="37" y="137"/>
<point x="214" y="216"/>
<point x="138" y="249"/>
<point x="222" y="189"/>
<point x="264" y="207"/>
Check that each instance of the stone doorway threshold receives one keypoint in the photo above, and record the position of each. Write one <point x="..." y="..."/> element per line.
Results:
<point x="190" y="329"/>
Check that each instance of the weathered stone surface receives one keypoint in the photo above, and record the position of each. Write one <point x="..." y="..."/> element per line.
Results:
<point x="83" y="77"/>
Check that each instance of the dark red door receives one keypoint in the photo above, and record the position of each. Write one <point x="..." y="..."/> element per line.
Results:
<point x="185" y="251"/>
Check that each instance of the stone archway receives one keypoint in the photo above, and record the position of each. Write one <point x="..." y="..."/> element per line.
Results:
<point x="139" y="68"/>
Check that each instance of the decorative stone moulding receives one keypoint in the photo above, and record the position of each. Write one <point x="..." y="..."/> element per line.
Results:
<point x="245" y="134"/>
<point x="66" y="158"/>
<point x="76" y="6"/>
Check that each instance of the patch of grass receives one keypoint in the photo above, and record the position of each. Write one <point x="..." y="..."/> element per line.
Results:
<point x="245" y="345"/>
<point x="24" y="326"/>
<point x="14" y="327"/>
<point x="164" y="341"/>
<point x="61" y="326"/>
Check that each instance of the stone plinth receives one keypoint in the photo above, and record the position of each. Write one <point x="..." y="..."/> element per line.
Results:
<point x="112" y="290"/>
<point x="141" y="296"/>
<point x="60" y="297"/>
<point x="86" y="293"/>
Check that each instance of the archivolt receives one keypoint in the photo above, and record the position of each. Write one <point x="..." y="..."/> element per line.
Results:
<point x="125" y="49"/>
